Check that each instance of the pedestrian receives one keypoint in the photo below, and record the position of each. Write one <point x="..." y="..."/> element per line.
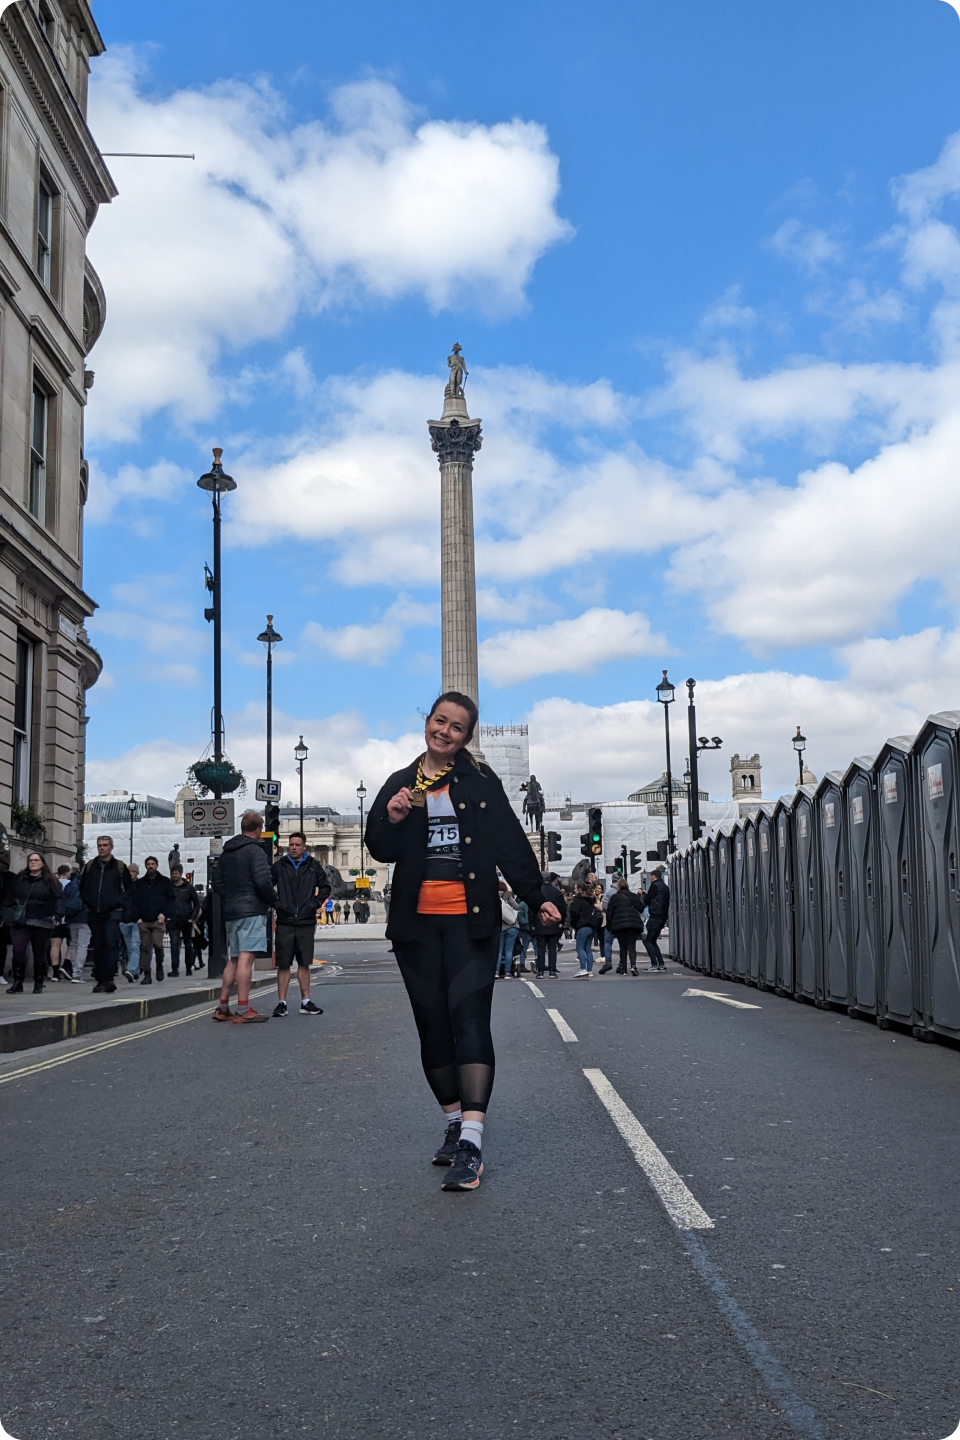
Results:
<point x="37" y="909"/>
<point x="525" y="936"/>
<point x="447" y="824"/>
<point x="242" y="878"/>
<point x="302" y="887"/>
<point x="357" y="910"/>
<point x="548" y="931"/>
<point x="181" y="920"/>
<point x="658" y="907"/>
<point x="154" y="902"/>
<point x="606" y="937"/>
<point x="585" y="921"/>
<point x="61" y="931"/>
<point x="336" y="913"/>
<point x="346" y="912"/>
<point x="8" y="886"/>
<point x="130" y="929"/>
<point x="78" y="928"/>
<point x="625" y="920"/>
<point x="509" y="930"/>
<point x="104" y="881"/>
<point x="328" y="909"/>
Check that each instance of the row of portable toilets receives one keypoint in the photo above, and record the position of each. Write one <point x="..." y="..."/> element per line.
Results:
<point x="844" y="894"/>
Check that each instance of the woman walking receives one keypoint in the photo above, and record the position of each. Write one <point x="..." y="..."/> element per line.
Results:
<point x="447" y="824"/>
<point x="39" y="900"/>
<point x="625" y="920"/>
<point x="585" y="921"/>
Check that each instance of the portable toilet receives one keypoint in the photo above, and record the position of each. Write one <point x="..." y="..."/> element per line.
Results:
<point x="863" y="885"/>
<point x="741" y="901"/>
<point x="936" y="755"/>
<point x="724" y="960"/>
<point x="767" y="899"/>
<point x="716" y="905"/>
<point x="899" y="972"/>
<point x="808" y="982"/>
<point x="837" y="988"/>
<point x="786" y="904"/>
<point x="751" y="892"/>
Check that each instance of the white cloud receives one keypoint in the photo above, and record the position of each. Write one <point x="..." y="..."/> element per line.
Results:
<point x="372" y="644"/>
<point x="577" y="646"/>
<point x="808" y="247"/>
<point x="199" y="257"/>
<point x="522" y="605"/>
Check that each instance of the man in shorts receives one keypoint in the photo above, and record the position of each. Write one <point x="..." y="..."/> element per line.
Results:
<point x="242" y="880"/>
<point x="302" y="886"/>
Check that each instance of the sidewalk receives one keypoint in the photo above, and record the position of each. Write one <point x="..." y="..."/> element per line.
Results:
<point x="371" y="931"/>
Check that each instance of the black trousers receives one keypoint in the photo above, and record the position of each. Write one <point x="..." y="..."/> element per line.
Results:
<point x="627" y="941"/>
<point x="180" y="930"/>
<point x="449" y="980"/>
<point x="105" y="944"/>
<point x="654" y="926"/>
<point x="547" y="950"/>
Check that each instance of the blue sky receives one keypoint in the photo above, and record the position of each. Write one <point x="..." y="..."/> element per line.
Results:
<point x="703" y="265"/>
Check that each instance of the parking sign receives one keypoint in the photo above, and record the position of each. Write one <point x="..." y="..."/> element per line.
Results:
<point x="268" y="789"/>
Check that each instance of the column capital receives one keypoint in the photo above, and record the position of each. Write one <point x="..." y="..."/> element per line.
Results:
<point x="454" y="442"/>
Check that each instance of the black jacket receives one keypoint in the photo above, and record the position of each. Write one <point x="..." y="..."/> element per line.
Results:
<point x="242" y="877"/>
<point x="42" y="897"/>
<point x="658" y="900"/>
<point x="186" y="903"/>
<point x="300" y="890"/>
<point x="152" y="897"/>
<point x="583" y="912"/>
<point x="490" y="836"/>
<point x="551" y="927"/>
<point x="624" y="911"/>
<point x="103" y="887"/>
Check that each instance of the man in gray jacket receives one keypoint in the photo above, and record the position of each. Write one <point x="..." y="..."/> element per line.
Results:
<point x="242" y="879"/>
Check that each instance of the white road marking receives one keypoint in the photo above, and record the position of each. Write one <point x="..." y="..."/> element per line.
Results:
<point x="35" y="1069"/>
<point x="565" y="1032"/>
<point x="685" y="1212"/>
<point x="724" y="999"/>
<point x="536" y="990"/>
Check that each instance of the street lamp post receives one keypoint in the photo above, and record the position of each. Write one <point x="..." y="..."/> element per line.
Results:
<point x="799" y="744"/>
<point x="300" y="755"/>
<point x="132" y="808"/>
<point x="665" y="694"/>
<point x="361" y="796"/>
<point x="270" y="637"/>
<point x="697" y="745"/>
<point x="217" y="484"/>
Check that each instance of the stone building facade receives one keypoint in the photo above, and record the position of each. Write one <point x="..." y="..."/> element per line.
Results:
<point x="52" y="181"/>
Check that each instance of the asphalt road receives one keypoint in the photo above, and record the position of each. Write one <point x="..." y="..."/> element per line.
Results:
<point x="219" y="1233"/>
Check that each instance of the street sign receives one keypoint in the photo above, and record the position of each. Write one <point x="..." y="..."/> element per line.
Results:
<point x="207" y="817"/>
<point x="268" y="789"/>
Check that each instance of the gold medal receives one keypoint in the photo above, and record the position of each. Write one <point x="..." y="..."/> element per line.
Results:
<point x="418" y="798"/>
<point x="421" y="785"/>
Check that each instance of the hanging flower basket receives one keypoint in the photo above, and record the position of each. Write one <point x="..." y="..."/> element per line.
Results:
<point x="209" y="776"/>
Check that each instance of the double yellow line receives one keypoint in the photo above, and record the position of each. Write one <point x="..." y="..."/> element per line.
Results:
<point x="7" y="1076"/>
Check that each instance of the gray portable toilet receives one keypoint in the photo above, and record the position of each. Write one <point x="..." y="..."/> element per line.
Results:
<point x="751" y="892"/>
<point x="741" y="901"/>
<point x="767" y="897"/>
<point x="863" y="905"/>
<point x="937" y="756"/>
<point x="806" y="897"/>
<point x="716" y="905"/>
<point x="724" y="961"/>
<point x="705" y="898"/>
<point x="899" y="989"/>
<point x="786" y="916"/>
<point x="698" y="918"/>
<point x="680" y="909"/>
<point x="837" y="988"/>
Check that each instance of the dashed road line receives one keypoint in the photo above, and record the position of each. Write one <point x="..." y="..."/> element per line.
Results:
<point x="535" y="989"/>
<point x="724" y="999"/>
<point x="566" y="1033"/>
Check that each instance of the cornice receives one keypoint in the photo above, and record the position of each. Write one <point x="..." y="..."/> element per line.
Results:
<point x="31" y="561"/>
<point x="47" y="341"/>
<point x="57" y="104"/>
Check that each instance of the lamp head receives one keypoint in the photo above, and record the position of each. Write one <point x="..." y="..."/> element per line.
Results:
<point x="799" y="742"/>
<point x="215" y="479"/>
<point x="665" y="691"/>
<point x="300" y="751"/>
<point x="269" y="636"/>
<point x="361" y="792"/>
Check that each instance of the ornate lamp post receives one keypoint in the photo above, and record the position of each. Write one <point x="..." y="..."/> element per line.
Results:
<point x="666" y="695"/>
<point x="300" y="755"/>
<point x="361" y="796"/>
<point x="270" y="637"/>
<point x="217" y="483"/>
<point x="697" y="745"/>
<point x="132" y="809"/>
<point x="800" y="744"/>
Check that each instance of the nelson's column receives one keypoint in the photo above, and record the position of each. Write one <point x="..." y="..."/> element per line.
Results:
<point x="456" y="439"/>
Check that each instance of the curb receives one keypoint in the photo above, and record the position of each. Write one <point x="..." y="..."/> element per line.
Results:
<point x="49" y="1029"/>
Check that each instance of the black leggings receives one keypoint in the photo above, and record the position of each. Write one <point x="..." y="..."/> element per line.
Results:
<point x="627" y="940"/>
<point x="449" y="979"/>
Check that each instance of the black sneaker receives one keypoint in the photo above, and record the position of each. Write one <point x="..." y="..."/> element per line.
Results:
<point x="159" y="972"/>
<point x="307" y="1007"/>
<point x="99" y="988"/>
<point x="448" y="1150"/>
<point x="280" y="1010"/>
<point x="466" y="1169"/>
<point x="16" y="988"/>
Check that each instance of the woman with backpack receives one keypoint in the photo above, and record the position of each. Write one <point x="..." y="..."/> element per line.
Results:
<point x="38" y="907"/>
<point x="625" y="920"/>
<point x="585" y="922"/>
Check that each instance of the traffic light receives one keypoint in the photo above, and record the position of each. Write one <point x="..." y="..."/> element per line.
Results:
<point x="596" y="831"/>
<point x="636" y="861"/>
<point x="618" y="866"/>
<point x="585" y="845"/>
<point x="553" y="846"/>
<point x="660" y="853"/>
<point x="271" y="820"/>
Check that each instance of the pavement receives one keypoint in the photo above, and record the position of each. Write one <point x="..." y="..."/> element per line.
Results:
<point x="696" y="1220"/>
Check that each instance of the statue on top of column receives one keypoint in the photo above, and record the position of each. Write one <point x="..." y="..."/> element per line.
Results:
<point x="458" y="373"/>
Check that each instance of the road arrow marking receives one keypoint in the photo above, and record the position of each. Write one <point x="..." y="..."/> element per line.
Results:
<point x="565" y="1034"/>
<point x="724" y="1000"/>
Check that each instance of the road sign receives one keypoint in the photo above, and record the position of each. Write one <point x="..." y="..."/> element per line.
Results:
<point x="207" y="817"/>
<point x="268" y="789"/>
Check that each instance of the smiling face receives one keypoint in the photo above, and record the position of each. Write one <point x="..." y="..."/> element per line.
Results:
<point x="447" y="730"/>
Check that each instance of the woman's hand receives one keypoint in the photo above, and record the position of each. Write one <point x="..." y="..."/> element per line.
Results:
<point x="549" y="913"/>
<point x="399" y="807"/>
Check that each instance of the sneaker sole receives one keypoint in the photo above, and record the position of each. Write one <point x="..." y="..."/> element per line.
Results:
<point x="443" y="1160"/>
<point x="468" y="1185"/>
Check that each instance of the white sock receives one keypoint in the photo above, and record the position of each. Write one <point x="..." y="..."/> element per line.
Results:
<point x="472" y="1130"/>
<point x="452" y="1116"/>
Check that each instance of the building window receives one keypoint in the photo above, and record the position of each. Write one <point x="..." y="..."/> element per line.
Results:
<point x="22" y="721"/>
<point x="47" y="23"/>
<point x="344" y="859"/>
<point x="44" y="231"/>
<point x="39" y="437"/>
